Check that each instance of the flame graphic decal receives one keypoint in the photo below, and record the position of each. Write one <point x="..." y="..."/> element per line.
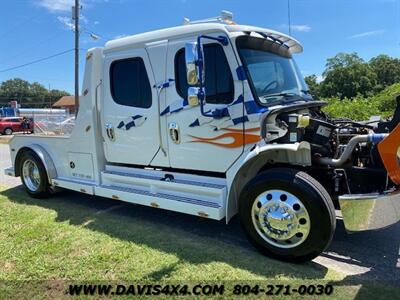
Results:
<point x="238" y="138"/>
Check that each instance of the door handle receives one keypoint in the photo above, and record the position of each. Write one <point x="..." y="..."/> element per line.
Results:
<point x="174" y="132"/>
<point x="110" y="132"/>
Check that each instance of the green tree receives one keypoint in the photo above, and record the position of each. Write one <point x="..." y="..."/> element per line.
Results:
<point x="28" y="94"/>
<point x="360" y="108"/>
<point x="313" y="85"/>
<point x="15" y="88"/>
<point x="346" y="76"/>
<point x="387" y="70"/>
<point x="342" y="60"/>
<point x="55" y="95"/>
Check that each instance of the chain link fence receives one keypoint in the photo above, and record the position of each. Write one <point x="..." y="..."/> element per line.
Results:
<point x="50" y="121"/>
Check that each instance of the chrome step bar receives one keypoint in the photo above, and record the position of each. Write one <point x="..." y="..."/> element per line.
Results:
<point x="152" y="177"/>
<point x="191" y="194"/>
<point x="167" y="183"/>
<point x="192" y="206"/>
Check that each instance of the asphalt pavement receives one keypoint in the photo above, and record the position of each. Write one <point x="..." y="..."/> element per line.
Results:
<point x="360" y="257"/>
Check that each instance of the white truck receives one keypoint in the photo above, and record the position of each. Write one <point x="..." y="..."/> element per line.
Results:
<point x="214" y="119"/>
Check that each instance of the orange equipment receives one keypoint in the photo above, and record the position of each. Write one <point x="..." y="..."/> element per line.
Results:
<point x="389" y="149"/>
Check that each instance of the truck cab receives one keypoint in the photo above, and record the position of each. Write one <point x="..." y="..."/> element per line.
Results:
<point x="214" y="119"/>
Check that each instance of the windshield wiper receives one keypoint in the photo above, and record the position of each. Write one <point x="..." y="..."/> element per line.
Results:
<point x="279" y="95"/>
<point x="286" y="98"/>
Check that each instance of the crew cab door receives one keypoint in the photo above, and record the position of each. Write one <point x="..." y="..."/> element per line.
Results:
<point x="194" y="141"/>
<point x="129" y="108"/>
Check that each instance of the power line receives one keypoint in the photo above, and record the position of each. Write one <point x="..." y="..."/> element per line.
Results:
<point x="30" y="48"/>
<point x="36" y="61"/>
<point x="90" y="30"/>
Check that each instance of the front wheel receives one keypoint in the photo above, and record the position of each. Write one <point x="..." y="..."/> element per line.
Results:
<point x="287" y="214"/>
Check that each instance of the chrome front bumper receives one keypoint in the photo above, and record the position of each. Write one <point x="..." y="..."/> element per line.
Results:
<point x="370" y="211"/>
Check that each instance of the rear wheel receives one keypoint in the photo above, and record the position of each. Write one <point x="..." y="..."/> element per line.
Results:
<point x="34" y="175"/>
<point x="287" y="215"/>
<point x="8" y="131"/>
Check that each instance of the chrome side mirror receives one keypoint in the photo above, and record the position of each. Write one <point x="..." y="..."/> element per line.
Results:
<point x="193" y="96"/>
<point x="194" y="65"/>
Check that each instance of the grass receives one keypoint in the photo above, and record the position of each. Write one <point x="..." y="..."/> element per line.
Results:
<point x="71" y="238"/>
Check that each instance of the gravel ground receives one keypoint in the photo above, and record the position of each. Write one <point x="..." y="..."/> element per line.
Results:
<point x="361" y="257"/>
<point x="5" y="162"/>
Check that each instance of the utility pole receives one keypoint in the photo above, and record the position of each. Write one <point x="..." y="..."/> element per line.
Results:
<point x="75" y="17"/>
<point x="50" y="97"/>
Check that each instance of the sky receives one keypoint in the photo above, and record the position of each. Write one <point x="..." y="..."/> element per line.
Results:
<point x="34" y="29"/>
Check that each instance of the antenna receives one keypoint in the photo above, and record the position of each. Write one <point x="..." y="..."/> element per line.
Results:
<point x="289" y="19"/>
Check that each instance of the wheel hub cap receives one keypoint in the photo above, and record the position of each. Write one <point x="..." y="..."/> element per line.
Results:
<point x="31" y="175"/>
<point x="280" y="218"/>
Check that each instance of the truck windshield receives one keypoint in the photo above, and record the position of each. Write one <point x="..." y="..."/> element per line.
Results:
<point x="273" y="74"/>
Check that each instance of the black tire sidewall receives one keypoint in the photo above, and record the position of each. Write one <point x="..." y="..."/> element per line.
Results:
<point x="44" y="187"/>
<point x="320" y="212"/>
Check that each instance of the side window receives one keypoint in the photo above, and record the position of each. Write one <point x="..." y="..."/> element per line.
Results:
<point x="219" y="81"/>
<point x="130" y="84"/>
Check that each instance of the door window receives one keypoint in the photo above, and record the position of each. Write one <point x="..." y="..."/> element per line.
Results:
<point x="130" y="84"/>
<point x="219" y="81"/>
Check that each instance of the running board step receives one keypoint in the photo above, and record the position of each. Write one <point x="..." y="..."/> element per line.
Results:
<point x="166" y="183"/>
<point x="193" y="206"/>
<point x="168" y="177"/>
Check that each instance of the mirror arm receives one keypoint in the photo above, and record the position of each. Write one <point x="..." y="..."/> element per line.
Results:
<point x="202" y="100"/>
<point x="224" y="41"/>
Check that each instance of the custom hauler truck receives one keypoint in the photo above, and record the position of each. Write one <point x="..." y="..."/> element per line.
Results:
<point x="214" y="119"/>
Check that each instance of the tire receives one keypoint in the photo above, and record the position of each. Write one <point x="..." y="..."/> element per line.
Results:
<point x="8" y="131"/>
<point x="286" y="214"/>
<point x="35" y="180"/>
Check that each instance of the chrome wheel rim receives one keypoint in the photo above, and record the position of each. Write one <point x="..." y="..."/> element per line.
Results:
<point x="31" y="175"/>
<point x="8" y="131"/>
<point x="280" y="218"/>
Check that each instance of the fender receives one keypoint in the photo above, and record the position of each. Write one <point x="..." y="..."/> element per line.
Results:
<point x="268" y="154"/>
<point x="43" y="155"/>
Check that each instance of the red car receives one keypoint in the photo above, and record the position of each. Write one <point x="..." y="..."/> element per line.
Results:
<point x="10" y="125"/>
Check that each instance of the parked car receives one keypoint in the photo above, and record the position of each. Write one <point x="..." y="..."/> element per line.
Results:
<point x="10" y="125"/>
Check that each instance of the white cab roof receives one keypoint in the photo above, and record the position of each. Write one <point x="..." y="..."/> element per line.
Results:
<point x="142" y="39"/>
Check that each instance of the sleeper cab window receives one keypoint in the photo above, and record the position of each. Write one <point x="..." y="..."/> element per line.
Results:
<point x="129" y="83"/>
<point x="219" y="81"/>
